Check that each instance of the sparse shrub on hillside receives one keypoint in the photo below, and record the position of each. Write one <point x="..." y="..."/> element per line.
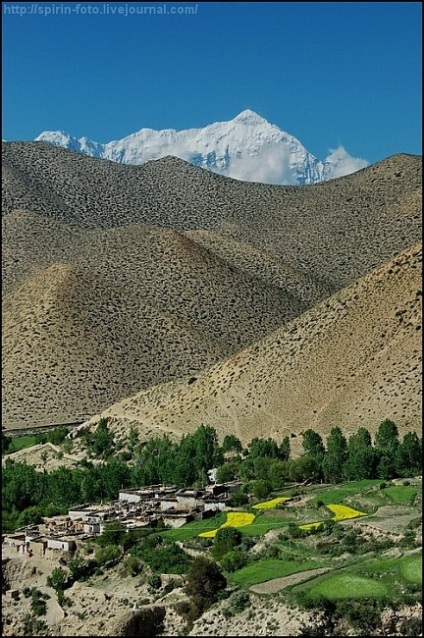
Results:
<point x="80" y="568"/>
<point x="108" y="555"/>
<point x="411" y="627"/>
<point x="133" y="565"/>
<point x="58" y="435"/>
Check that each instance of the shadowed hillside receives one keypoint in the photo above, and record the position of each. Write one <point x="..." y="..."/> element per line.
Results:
<point x="352" y="361"/>
<point x="131" y="307"/>
<point x="118" y="277"/>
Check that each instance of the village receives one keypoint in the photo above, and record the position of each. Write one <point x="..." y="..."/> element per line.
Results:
<point x="59" y="537"/>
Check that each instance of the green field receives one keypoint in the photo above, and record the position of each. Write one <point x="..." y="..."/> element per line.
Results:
<point x="190" y="530"/>
<point x="345" y="490"/>
<point x="269" y="568"/>
<point x="401" y="494"/>
<point x="265" y="521"/>
<point x="20" y="442"/>
<point x="412" y="569"/>
<point x="346" y="586"/>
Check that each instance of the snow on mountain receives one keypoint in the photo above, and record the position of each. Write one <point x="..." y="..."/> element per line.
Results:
<point x="247" y="148"/>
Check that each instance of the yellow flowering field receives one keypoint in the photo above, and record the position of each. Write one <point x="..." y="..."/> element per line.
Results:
<point x="342" y="512"/>
<point x="234" y="519"/>
<point x="269" y="505"/>
<point x="311" y="525"/>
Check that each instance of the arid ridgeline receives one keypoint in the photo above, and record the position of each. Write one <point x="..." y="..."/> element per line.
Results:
<point x="116" y="277"/>
<point x="353" y="360"/>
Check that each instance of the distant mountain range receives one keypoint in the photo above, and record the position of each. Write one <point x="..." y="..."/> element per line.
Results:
<point x="247" y="148"/>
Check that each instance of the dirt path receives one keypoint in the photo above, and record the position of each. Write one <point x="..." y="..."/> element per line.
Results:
<point x="275" y="585"/>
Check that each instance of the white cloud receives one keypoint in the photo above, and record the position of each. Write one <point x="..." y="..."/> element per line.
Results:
<point x="340" y="163"/>
<point x="270" y="166"/>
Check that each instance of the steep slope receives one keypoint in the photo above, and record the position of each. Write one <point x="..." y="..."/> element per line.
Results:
<point x="89" y="317"/>
<point x="311" y="229"/>
<point x="247" y="147"/>
<point x="351" y="361"/>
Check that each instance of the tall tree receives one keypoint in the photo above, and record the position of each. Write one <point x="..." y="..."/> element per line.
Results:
<point x="313" y="445"/>
<point x="284" y="449"/>
<point x="409" y="455"/>
<point x="335" y="457"/>
<point x="361" y="458"/>
<point x="386" y="447"/>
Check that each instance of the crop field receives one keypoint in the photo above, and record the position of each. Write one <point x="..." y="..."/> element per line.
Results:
<point x="269" y="505"/>
<point x="263" y="570"/>
<point x="195" y="528"/>
<point x="341" y="513"/>
<point x="401" y="494"/>
<point x="234" y="519"/>
<point x="412" y="569"/>
<point x="339" y="586"/>
<point x="22" y="442"/>
<point x="345" y="490"/>
<point x="268" y="520"/>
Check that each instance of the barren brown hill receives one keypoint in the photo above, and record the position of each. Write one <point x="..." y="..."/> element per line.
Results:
<point x="118" y="277"/>
<point x="352" y="361"/>
<point x="101" y="314"/>
<point x="336" y="231"/>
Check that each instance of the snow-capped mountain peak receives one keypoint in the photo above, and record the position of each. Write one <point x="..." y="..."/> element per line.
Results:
<point x="247" y="147"/>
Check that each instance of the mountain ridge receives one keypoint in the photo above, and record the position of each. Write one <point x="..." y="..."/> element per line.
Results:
<point x="247" y="148"/>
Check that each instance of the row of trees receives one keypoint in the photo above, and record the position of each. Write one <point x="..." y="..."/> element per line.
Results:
<point x="264" y="465"/>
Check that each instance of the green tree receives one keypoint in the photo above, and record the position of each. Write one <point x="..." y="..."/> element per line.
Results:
<point x="231" y="444"/>
<point x="261" y="489"/>
<point x="80" y="568"/>
<point x="305" y="468"/>
<point x="205" y="581"/>
<point x="386" y="446"/>
<point x="361" y="458"/>
<point x="102" y="440"/>
<point x="313" y="445"/>
<point x="278" y="473"/>
<point x="226" y="539"/>
<point x="58" y="581"/>
<point x="409" y="455"/>
<point x="335" y="457"/>
<point x="107" y="555"/>
<point x="113" y="534"/>
<point x="227" y="472"/>
<point x="284" y="449"/>
<point x="233" y="560"/>
<point x="263" y="448"/>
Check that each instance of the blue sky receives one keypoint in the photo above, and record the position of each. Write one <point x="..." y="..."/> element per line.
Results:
<point x="328" y="73"/>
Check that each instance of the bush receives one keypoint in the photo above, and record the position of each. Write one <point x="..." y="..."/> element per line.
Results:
<point x="108" y="555"/>
<point x="58" y="435"/>
<point x="155" y="582"/>
<point x="239" y="601"/>
<point x="205" y="581"/>
<point x="38" y="604"/>
<point x="411" y="627"/>
<point x="133" y="565"/>
<point x="233" y="560"/>
<point x="81" y="569"/>
<point x="238" y="499"/>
